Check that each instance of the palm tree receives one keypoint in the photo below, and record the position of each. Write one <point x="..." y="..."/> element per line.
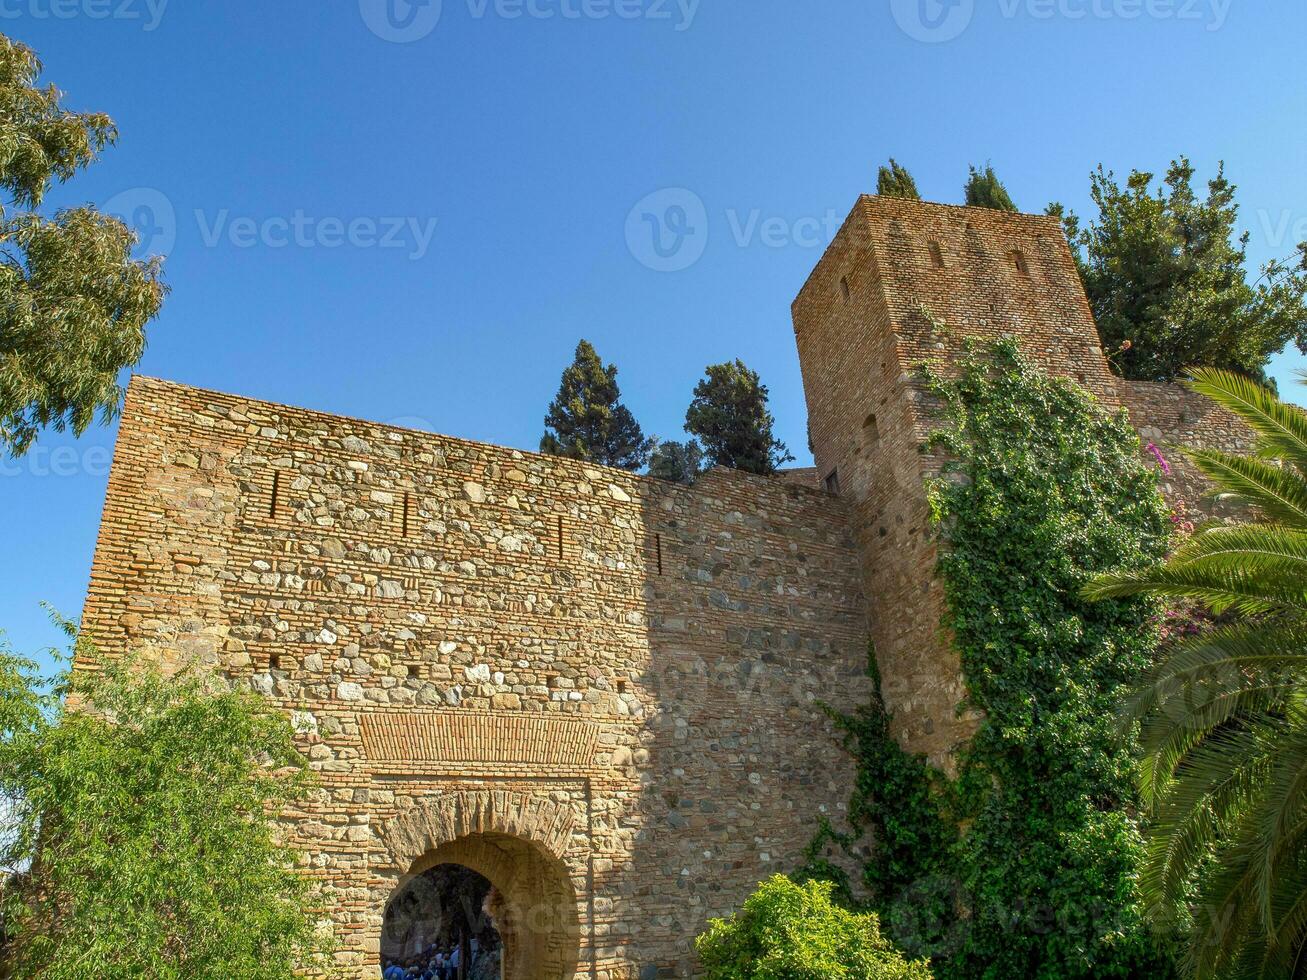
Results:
<point x="1224" y="715"/>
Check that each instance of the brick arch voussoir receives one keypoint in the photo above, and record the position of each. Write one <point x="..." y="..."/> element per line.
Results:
<point x="450" y="817"/>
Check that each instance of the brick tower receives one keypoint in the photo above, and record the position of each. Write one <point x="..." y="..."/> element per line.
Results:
<point x="903" y="283"/>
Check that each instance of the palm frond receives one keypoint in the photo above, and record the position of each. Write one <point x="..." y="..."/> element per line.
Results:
<point x="1215" y="782"/>
<point x="1220" y="589"/>
<point x="1279" y="493"/>
<point x="1281" y="428"/>
<point x="1230" y="659"/>
<point x="1247" y="546"/>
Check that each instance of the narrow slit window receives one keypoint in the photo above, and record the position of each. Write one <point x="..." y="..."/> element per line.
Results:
<point x="408" y="503"/>
<point x="1019" y="262"/>
<point x="936" y="255"/>
<point x="844" y="288"/>
<point x="832" y="482"/>
<point x="870" y="431"/>
<point x="274" y="499"/>
<point x="658" y="551"/>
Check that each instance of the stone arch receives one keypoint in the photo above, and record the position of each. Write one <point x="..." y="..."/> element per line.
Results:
<point x="515" y="840"/>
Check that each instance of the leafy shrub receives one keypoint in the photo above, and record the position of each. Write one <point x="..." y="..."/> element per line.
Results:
<point x="788" y="931"/>
<point x="144" y="808"/>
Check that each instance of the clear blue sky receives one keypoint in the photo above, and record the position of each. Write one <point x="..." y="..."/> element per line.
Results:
<point x="529" y="131"/>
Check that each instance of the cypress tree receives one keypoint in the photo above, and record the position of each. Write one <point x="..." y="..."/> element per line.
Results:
<point x="587" y="420"/>
<point x="729" y="415"/>
<point x="1166" y="272"/>
<point x="677" y="462"/>
<point x="985" y="190"/>
<point x="895" y="181"/>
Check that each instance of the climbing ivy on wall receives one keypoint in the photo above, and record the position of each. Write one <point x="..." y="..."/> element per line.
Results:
<point x="1036" y="873"/>
<point x="900" y="803"/>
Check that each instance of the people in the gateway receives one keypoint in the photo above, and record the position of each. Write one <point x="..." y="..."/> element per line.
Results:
<point x="433" y="964"/>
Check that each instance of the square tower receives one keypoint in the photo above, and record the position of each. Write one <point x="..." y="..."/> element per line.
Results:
<point x="903" y="283"/>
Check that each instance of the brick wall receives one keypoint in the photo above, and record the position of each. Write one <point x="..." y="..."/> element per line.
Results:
<point x="1172" y="417"/>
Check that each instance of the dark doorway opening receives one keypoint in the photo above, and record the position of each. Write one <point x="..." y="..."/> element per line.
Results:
<point x="440" y="926"/>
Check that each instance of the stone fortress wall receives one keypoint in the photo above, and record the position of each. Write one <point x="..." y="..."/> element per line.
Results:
<point x="599" y="690"/>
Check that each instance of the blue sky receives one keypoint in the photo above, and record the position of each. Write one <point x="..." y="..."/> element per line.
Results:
<point x="413" y="212"/>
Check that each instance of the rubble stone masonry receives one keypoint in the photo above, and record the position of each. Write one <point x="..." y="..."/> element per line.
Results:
<point x="598" y="690"/>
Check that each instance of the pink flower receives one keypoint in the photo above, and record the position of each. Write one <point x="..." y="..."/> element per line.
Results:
<point x="1161" y="460"/>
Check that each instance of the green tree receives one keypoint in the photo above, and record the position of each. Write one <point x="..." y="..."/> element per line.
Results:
<point x="73" y="302"/>
<point x="985" y="190"/>
<point x="677" y="462"/>
<point x="787" y="931"/>
<point x="1224" y="714"/>
<point x="895" y="181"/>
<point x="1166" y="275"/>
<point x="587" y="420"/>
<point x="146" y="815"/>
<point x="730" y="417"/>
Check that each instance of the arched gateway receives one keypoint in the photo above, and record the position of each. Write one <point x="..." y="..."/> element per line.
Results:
<point x="517" y="841"/>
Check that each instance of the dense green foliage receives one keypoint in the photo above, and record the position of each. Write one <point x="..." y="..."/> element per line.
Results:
<point x="730" y="417"/>
<point x="146" y="818"/>
<point x="895" y="181"/>
<point x="1224" y="714"/>
<point x="1026" y="865"/>
<point x="1167" y="279"/>
<point x="587" y="420"/>
<point x="677" y="462"/>
<point x="985" y="190"/>
<point x="1045" y="490"/>
<point x="787" y="931"/>
<point x="73" y="302"/>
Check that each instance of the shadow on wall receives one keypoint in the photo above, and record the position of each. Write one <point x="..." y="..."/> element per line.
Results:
<point x="755" y="621"/>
